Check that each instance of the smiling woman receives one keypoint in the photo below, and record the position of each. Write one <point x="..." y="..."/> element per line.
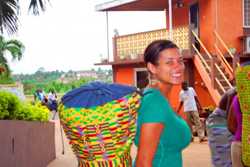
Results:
<point x="157" y="144"/>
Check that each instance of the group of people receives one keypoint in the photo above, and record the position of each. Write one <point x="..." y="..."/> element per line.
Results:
<point x="161" y="133"/>
<point x="50" y="100"/>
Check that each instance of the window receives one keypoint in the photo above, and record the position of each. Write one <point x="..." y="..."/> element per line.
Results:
<point x="246" y="14"/>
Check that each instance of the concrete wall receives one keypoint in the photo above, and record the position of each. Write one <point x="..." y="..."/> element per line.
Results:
<point x="230" y="22"/>
<point x="124" y="74"/>
<point x="26" y="144"/>
<point x="16" y="89"/>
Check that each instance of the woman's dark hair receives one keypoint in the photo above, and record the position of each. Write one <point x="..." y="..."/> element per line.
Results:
<point x="152" y="52"/>
<point x="226" y="99"/>
<point x="51" y="90"/>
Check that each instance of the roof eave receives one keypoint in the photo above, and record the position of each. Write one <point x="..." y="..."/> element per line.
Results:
<point x="112" y="4"/>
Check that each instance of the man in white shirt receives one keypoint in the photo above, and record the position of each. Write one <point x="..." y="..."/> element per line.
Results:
<point x="189" y="98"/>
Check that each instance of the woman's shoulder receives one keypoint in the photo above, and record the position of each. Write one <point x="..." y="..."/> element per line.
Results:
<point x="151" y="92"/>
<point x="154" y="106"/>
<point x="153" y="97"/>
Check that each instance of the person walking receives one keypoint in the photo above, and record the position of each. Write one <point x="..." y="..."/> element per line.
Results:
<point x="52" y="102"/>
<point x="189" y="99"/>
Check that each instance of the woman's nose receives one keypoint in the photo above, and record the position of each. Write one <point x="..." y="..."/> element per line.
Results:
<point x="178" y="64"/>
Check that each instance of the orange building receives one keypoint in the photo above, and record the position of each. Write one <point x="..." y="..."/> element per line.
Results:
<point x="214" y="36"/>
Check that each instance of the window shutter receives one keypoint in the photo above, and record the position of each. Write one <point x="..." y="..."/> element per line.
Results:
<point x="246" y="12"/>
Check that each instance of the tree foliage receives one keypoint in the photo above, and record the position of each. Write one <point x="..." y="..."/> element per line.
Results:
<point x="8" y="16"/>
<point x="14" y="47"/>
<point x="11" y="108"/>
<point x="9" y="13"/>
<point x="6" y="79"/>
<point x="51" y="80"/>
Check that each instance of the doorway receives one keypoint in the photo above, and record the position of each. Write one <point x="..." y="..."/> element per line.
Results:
<point x="194" y="21"/>
<point x="141" y="77"/>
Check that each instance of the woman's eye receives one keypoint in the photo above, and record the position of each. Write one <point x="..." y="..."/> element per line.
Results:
<point x="169" y="62"/>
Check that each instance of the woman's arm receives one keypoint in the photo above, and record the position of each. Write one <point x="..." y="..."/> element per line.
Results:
<point x="231" y="120"/>
<point x="148" y="143"/>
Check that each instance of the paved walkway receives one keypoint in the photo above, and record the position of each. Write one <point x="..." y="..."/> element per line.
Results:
<point x="196" y="155"/>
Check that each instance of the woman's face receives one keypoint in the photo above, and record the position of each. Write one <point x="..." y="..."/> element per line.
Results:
<point x="170" y="67"/>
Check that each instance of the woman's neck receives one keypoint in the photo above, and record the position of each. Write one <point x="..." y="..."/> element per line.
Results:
<point x="162" y="87"/>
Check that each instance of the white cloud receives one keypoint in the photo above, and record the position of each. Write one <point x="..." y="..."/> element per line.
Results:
<point x="72" y="35"/>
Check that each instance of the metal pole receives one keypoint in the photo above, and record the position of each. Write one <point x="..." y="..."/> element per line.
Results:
<point x="166" y="23"/>
<point x="216" y="20"/>
<point x="170" y="19"/>
<point x="107" y="28"/>
<point x="61" y="130"/>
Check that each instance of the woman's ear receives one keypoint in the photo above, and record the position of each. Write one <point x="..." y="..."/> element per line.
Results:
<point x="151" y="68"/>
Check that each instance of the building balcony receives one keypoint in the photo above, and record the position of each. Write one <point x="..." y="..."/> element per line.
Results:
<point x="129" y="49"/>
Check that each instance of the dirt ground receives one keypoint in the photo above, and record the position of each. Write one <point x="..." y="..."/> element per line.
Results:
<point x="195" y="155"/>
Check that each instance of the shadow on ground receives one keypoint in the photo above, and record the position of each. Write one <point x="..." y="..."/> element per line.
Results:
<point x="195" y="155"/>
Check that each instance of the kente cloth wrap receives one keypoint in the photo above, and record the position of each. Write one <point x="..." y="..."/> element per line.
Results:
<point x="102" y="135"/>
<point x="243" y="89"/>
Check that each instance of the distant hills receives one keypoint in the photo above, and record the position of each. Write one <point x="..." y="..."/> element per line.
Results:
<point x="60" y="81"/>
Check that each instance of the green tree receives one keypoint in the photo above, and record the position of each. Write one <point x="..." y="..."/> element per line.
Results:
<point x="9" y="13"/>
<point x="14" y="47"/>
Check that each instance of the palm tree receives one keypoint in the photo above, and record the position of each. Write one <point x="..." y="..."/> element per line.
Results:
<point x="14" y="47"/>
<point x="9" y="13"/>
<point x="37" y="5"/>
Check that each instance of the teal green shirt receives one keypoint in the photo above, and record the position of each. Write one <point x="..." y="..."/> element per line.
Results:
<point x="176" y="134"/>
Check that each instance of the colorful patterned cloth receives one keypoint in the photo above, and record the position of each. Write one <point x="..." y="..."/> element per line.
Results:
<point x="102" y="135"/>
<point x="243" y="89"/>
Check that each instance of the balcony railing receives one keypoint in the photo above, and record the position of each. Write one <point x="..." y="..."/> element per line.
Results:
<point x="131" y="47"/>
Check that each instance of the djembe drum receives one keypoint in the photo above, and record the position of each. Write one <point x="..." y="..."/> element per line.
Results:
<point x="100" y="122"/>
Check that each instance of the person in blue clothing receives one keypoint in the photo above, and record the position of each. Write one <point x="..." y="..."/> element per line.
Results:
<point x="219" y="137"/>
<point x="40" y="96"/>
<point x="161" y="133"/>
<point x="52" y="100"/>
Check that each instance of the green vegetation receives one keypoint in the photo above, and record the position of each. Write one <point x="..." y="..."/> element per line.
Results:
<point x="5" y="79"/>
<point x="14" y="47"/>
<point x="29" y="112"/>
<point x="53" y="80"/>
<point x="11" y="108"/>
<point x="59" y="87"/>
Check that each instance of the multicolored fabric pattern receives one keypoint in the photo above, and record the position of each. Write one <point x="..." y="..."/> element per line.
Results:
<point x="243" y="89"/>
<point x="102" y="135"/>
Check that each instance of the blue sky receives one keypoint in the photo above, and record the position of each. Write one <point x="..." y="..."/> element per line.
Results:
<point x="71" y="35"/>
